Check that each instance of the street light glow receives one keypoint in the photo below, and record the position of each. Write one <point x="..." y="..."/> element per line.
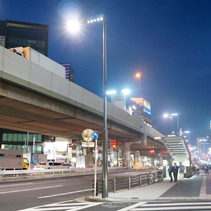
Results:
<point x="165" y="115"/>
<point x="111" y="92"/>
<point x="176" y="114"/>
<point x="138" y="75"/>
<point x="95" y="20"/>
<point x="187" y="131"/>
<point x="73" y="26"/>
<point x="125" y="91"/>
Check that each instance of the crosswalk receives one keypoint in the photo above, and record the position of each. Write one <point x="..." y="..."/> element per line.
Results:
<point x="172" y="206"/>
<point x="70" y="205"/>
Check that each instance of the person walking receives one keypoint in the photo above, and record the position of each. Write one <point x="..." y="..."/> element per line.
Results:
<point x="170" y="172"/>
<point x="175" y="171"/>
<point x="181" y="171"/>
<point x="206" y="170"/>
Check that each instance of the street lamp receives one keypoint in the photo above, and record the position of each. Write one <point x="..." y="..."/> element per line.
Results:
<point x="138" y="75"/>
<point x="105" y="131"/>
<point x="75" y="24"/>
<point x="188" y="132"/>
<point x="176" y="114"/>
<point x="172" y="115"/>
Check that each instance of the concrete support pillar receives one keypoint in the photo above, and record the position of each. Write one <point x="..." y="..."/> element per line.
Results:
<point x="161" y="158"/>
<point x="137" y="158"/>
<point x="126" y="160"/>
<point x="144" y="139"/>
<point x="1" y="136"/>
<point x="153" y="161"/>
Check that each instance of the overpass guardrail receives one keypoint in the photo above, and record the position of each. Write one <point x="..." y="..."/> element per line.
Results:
<point x="122" y="183"/>
<point x="54" y="171"/>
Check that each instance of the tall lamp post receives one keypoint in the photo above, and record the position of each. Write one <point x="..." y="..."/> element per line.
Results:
<point x="188" y="132"/>
<point x="176" y="114"/>
<point x="105" y="132"/>
<point x="138" y="75"/>
<point x="172" y="115"/>
<point x="74" y="27"/>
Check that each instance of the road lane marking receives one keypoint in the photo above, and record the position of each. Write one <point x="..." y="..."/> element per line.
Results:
<point x="174" y="208"/>
<point x="16" y="184"/>
<point x="63" y="206"/>
<point x="61" y="194"/>
<point x="132" y="206"/>
<point x="15" y="191"/>
<point x="175" y="204"/>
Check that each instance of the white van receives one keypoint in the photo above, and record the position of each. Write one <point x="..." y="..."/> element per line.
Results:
<point x="50" y="165"/>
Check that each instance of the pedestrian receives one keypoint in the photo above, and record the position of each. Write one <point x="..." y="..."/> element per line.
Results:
<point x="181" y="171"/>
<point x="170" y="172"/>
<point x="206" y="169"/>
<point x="193" y="169"/>
<point x="175" y="171"/>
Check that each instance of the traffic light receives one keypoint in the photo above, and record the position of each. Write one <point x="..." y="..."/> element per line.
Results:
<point x="71" y="145"/>
<point x="151" y="151"/>
<point x="114" y="146"/>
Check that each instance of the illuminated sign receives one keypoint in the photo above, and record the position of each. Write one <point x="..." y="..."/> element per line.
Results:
<point x="147" y="105"/>
<point x="137" y="100"/>
<point x="142" y="102"/>
<point x="147" y="111"/>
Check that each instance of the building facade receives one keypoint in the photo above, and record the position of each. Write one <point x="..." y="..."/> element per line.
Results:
<point x="15" y="34"/>
<point x="69" y="72"/>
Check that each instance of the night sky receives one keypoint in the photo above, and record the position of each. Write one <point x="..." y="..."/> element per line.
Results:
<point x="168" y="41"/>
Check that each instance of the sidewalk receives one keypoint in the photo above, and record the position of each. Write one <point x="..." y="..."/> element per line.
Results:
<point x="194" y="188"/>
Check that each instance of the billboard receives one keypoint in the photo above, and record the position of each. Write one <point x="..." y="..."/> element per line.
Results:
<point x="142" y="102"/>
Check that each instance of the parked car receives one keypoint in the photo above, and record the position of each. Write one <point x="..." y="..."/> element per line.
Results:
<point x="50" y="165"/>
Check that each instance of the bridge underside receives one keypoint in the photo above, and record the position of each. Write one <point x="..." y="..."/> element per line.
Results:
<point x="23" y="110"/>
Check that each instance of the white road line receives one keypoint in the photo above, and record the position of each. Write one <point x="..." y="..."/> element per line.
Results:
<point x="175" y="204"/>
<point x="132" y="206"/>
<point x="61" y="194"/>
<point x="61" y="206"/>
<point x="15" y="191"/>
<point x="84" y="207"/>
<point x="174" y="208"/>
<point x="16" y="184"/>
<point x="34" y="208"/>
<point x="203" y="189"/>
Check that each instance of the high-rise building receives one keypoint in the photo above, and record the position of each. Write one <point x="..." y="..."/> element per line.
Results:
<point x="22" y="34"/>
<point x="69" y="72"/>
<point x="15" y="34"/>
<point x="141" y="109"/>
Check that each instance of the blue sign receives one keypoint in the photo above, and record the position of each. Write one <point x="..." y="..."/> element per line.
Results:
<point x="147" y="111"/>
<point x="95" y="135"/>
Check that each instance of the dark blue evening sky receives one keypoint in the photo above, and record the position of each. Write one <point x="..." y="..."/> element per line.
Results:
<point x="168" y="41"/>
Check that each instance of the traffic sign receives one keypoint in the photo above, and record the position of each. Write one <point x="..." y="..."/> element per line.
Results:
<point x="86" y="144"/>
<point x="95" y="135"/>
<point x="88" y="135"/>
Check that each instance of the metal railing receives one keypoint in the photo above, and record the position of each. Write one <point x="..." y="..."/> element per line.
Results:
<point x="53" y="171"/>
<point x="123" y="183"/>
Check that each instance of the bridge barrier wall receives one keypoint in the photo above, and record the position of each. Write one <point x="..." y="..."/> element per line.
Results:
<point x="25" y="73"/>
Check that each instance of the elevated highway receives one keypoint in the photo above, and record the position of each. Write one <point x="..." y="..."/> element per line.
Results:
<point x="34" y="99"/>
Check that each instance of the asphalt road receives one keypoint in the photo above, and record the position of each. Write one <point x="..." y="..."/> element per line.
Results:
<point x="20" y="195"/>
<point x="59" y="194"/>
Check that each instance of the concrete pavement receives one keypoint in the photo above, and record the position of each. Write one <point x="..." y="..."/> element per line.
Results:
<point x="194" y="188"/>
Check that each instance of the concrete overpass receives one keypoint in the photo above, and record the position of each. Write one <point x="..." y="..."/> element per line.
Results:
<point x="35" y="100"/>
